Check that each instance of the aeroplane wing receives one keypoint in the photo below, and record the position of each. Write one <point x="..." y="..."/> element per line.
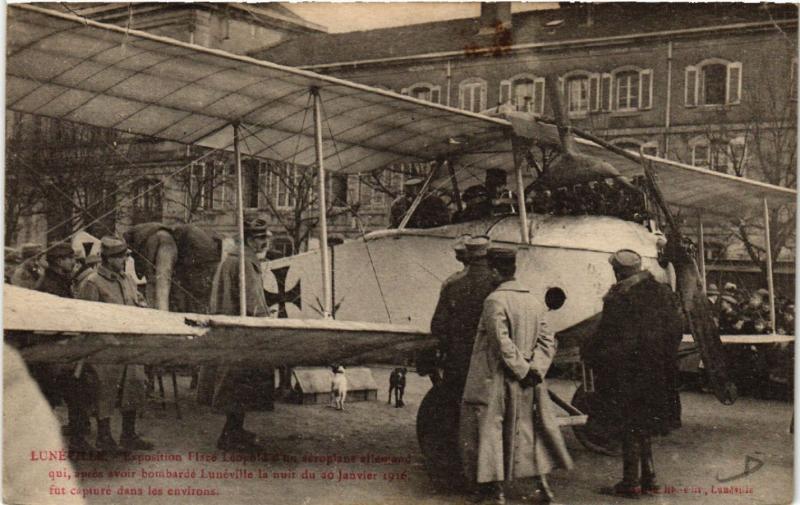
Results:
<point x="67" y="67"/>
<point x="42" y="324"/>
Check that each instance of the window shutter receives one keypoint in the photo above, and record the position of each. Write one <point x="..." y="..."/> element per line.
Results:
<point x="733" y="92"/>
<point x="646" y="89"/>
<point x="538" y="96"/>
<point x="436" y="94"/>
<point x="594" y="92"/>
<point x="461" y="97"/>
<point x="690" y="87"/>
<point x="505" y="91"/>
<point x="483" y="98"/>
<point x="605" y="92"/>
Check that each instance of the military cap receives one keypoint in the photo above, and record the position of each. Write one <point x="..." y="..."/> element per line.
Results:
<point x="730" y="299"/>
<point x="763" y="292"/>
<point x="112" y="246"/>
<point x="625" y="258"/>
<point x="414" y="181"/>
<point x="474" y="192"/>
<point x="30" y="250"/>
<point x="729" y="286"/>
<point x="712" y="290"/>
<point x="477" y="247"/>
<point x="502" y="255"/>
<point x="256" y="228"/>
<point x="60" y="250"/>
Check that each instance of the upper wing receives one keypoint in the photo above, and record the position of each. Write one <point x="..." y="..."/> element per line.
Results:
<point x="53" y="329"/>
<point x="67" y="67"/>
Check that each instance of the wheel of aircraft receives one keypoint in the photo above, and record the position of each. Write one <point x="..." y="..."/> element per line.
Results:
<point x="437" y="434"/>
<point x="590" y="435"/>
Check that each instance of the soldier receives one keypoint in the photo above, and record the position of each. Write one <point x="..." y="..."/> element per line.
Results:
<point x="633" y="353"/>
<point x="86" y="266"/>
<point x="508" y="426"/>
<point x="460" y="250"/>
<point x="58" y="381"/>
<point x="110" y="284"/>
<point x="455" y="319"/>
<point x="29" y="273"/>
<point x="57" y="278"/>
<point x="237" y="389"/>
<point x="430" y="213"/>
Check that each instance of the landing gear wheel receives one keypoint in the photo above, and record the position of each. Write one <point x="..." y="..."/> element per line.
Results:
<point x="437" y="432"/>
<point x="592" y="434"/>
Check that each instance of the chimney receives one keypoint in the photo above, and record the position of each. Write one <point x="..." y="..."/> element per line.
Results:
<point x="495" y="17"/>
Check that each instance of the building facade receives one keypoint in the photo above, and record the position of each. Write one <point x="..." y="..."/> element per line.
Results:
<point x="711" y="85"/>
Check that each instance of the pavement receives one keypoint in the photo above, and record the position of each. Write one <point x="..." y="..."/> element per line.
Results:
<point x="368" y="454"/>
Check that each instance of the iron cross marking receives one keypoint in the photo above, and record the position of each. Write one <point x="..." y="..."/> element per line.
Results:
<point x="282" y="297"/>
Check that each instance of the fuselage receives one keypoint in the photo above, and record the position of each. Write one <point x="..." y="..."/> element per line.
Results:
<point x="396" y="275"/>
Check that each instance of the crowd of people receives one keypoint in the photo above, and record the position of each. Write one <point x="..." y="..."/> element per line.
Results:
<point x="495" y="349"/>
<point x="739" y="311"/>
<point x="97" y="391"/>
<point x="608" y="197"/>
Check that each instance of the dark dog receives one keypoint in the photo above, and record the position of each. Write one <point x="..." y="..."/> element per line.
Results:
<point x="397" y="383"/>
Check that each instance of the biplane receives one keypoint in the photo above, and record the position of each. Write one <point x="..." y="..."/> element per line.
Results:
<point x="382" y="288"/>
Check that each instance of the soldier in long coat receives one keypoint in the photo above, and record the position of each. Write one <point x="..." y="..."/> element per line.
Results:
<point x="237" y="389"/>
<point x="79" y="392"/>
<point x="110" y="284"/>
<point x="508" y="426"/>
<point x="634" y="353"/>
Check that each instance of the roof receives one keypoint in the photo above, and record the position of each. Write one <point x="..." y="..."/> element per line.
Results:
<point x="65" y="67"/>
<point x="269" y="13"/>
<point x="608" y="20"/>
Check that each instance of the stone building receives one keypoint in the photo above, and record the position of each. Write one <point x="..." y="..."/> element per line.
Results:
<point x="705" y="84"/>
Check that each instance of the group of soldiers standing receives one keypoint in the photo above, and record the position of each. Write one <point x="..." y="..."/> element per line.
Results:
<point x="97" y="390"/>
<point x="496" y="349"/>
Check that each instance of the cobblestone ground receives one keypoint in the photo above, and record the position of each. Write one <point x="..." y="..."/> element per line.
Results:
<point x="368" y="454"/>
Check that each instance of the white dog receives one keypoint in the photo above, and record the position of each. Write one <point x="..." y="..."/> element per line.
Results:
<point x="338" y="388"/>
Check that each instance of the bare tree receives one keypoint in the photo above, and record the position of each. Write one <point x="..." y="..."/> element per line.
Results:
<point x="65" y="170"/>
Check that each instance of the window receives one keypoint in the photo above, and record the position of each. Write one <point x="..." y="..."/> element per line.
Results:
<point x="424" y="91"/>
<point x="147" y="201"/>
<point x="472" y="95"/>
<point x="719" y="155"/>
<point x="628" y="90"/>
<point x="713" y="82"/>
<point x="280" y="184"/>
<point x="577" y="93"/>
<point x="524" y="92"/>
<point x="207" y="185"/>
<point x="251" y="184"/>
<point x="338" y="190"/>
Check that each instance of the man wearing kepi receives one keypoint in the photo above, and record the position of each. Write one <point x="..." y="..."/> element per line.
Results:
<point x="110" y="284"/>
<point x="633" y="354"/>
<point x="458" y="311"/>
<point x="508" y="425"/>
<point x="237" y="389"/>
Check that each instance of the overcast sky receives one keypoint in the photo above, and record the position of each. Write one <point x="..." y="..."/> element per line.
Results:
<point x="346" y="17"/>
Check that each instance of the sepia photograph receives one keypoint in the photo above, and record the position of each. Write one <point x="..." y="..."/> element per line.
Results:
<point x="395" y="253"/>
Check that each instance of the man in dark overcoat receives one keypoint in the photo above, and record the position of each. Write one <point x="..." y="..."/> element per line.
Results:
<point x="634" y="354"/>
<point x="237" y="389"/>
<point x="455" y="319"/>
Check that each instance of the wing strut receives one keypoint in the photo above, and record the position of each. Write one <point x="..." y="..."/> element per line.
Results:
<point x="768" y="253"/>
<point x="327" y="305"/>
<point x="240" y="221"/>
